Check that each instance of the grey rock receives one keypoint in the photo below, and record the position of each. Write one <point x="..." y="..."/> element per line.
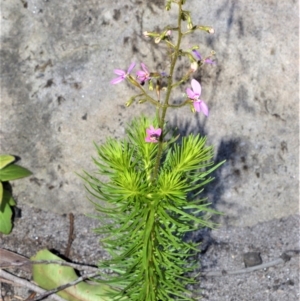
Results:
<point x="57" y="58"/>
<point x="252" y="259"/>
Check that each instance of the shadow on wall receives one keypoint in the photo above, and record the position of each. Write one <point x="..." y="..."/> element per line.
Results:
<point x="228" y="150"/>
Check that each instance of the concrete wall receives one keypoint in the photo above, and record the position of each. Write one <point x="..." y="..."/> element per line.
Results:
<point x="57" y="58"/>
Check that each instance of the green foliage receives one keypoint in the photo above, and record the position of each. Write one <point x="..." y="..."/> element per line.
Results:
<point x="148" y="215"/>
<point x="8" y="172"/>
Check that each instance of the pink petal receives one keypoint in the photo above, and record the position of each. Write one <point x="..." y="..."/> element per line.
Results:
<point x="119" y="72"/>
<point x="200" y="106"/>
<point x="209" y="61"/>
<point x="197" y="54"/>
<point x="190" y="93"/>
<point x="157" y="132"/>
<point x="130" y="67"/>
<point x="204" y="108"/>
<point x="150" y="130"/>
<point x="196" y="87"/>
<point x="140" y="73"/>
<point x="197" y="106"/>
<point x="117" y="80"/>
<point x="144" y="68"/>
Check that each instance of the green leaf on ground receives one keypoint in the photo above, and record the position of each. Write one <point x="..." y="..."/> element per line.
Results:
<point x="50" y="276"/>
<point x="5" y="214"/>
<point x="1" y="193"/>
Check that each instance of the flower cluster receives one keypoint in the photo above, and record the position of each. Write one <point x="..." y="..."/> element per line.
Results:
<point x="193" y="93"/>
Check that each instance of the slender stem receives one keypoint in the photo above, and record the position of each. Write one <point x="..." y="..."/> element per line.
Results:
<point x="180" y="105"/>
<point x="151" y="244"/>
<point x="168" y="94"/>
<point x="149" y="98"/>
<point x="150" y="274"/>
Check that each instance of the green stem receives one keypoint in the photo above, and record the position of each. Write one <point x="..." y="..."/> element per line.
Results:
<point x="151" y="244"/>
<point x="149" y="98"/>
<point x="168" y="94"/>
<point x="151" y="273"/>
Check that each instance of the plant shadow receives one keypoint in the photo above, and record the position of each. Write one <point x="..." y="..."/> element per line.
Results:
<point x="212" y="192"/>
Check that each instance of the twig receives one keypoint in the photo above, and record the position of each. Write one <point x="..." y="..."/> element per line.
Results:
<point x="7" y="256"/>
<point x="27" y="284"/>
<point x="71" y="235"/>
<point x="6" y="265"/>
<point x="30" y="297"/>
<point x="3" y="280"/>
<point x="64" y="286"/>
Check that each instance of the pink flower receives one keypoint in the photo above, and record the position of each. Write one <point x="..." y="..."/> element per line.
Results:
<point x="152" y="134"/>
<point x="194" y="95"/>
<point x="143" y="75"/>
<point x="123" y="74"/>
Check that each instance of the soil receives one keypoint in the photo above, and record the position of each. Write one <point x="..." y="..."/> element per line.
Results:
<point x="221" y="250"/>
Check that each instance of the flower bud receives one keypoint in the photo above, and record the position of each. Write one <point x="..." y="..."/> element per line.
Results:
<point x="168" y="5"/>
<point x="194" y="66"/>
<point x="190" y="24"/>
<point x="130" y="101"/>
<point x="150" y="85"/>
<point x="133" y="81"/>
<point x="150" y="34"/>
<point x="157" y="40"/>
<point x="208" y="29"/>
<point x="211" y="30"/>
<point x="169" y="32"/>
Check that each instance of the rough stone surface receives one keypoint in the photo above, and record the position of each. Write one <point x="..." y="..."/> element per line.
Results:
<point x="57" y="58"/>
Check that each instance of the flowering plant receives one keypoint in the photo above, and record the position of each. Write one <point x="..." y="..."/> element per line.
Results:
<point x="150" y="195"/>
